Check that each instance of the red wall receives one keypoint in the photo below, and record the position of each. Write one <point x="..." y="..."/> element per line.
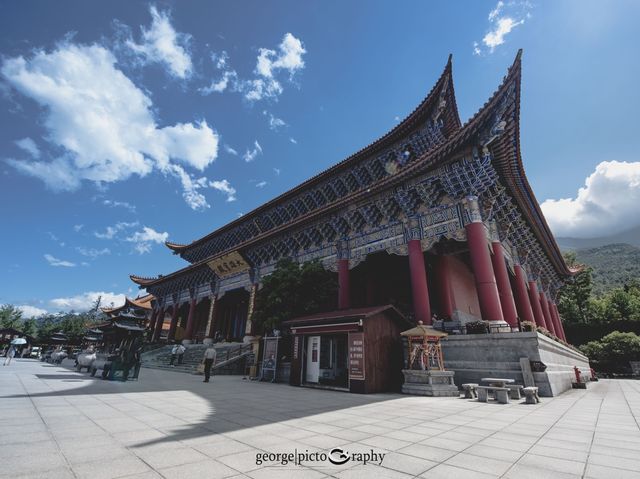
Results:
<point x="463" y="288"/>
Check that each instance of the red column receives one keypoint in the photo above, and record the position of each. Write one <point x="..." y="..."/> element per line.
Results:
<point x="343" y="284"/>
<point x="504" y="285"/>
<point x="188" y="334"/>
<point x="444" y="286"/>
<point x="557" y="313"/>
<point x="534" y="298"/>
<point x="556" y="326"/>
<point x="545" y="312"/>
<point x="174" y="323"/>
<point x="419" y="288"/>
<point x="486" y="287"/>
<point x="152" y="324"/>
<point x="522" y="299"/>
<point x="159" y="323"/>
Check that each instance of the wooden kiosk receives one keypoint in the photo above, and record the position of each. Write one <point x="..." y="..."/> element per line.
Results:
<point x="424" y="372"/>
<point x="356" y="350"/>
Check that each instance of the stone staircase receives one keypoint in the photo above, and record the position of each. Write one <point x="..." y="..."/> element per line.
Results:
<point x="229" y="360"/>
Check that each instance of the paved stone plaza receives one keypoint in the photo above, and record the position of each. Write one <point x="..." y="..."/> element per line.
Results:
<point x="56" y="423"/>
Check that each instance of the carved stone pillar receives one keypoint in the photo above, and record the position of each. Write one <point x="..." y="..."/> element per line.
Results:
<point x="211" y="321"/>
<point x="485" y="278"/>
<point x="249" y="329"/>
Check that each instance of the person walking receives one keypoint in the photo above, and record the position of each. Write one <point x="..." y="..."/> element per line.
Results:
<point x="181" y="350"/>
<point x="174" y="355"/>
<point x="209" y="360"/>
<point x="10" y="354"/>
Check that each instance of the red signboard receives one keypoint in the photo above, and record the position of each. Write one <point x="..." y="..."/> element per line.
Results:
<point x="356" y="355"/>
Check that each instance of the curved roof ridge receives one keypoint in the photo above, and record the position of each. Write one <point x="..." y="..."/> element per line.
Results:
<point x="427" y="161"/>
<point x="451" y="114"/>
<point x="175" y="247"/>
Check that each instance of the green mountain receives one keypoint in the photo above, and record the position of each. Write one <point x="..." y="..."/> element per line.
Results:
<point x="613" y="265"/>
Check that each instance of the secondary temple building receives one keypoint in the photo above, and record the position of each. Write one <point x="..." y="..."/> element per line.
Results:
<point x="435" y="217"/>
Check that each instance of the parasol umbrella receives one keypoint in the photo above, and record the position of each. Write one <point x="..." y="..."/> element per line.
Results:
<point x="19" y="341"/>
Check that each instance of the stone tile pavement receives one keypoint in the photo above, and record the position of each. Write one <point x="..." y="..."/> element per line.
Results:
<point x="56" y="423"/>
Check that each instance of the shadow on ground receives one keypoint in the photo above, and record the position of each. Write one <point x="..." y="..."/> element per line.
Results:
<point x="228" y="410"/>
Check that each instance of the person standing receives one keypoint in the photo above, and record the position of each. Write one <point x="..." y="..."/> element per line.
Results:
<point x="181" y="350"/>
<point x="209" y="360"/>
<point x="174" y="355"/>
<point x="10" y="354"/>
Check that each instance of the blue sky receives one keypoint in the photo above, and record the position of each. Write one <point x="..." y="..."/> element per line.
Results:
<point x="129" y="123"/>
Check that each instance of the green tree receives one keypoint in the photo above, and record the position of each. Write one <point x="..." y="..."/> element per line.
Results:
<point x="29" y="327"/>
<point x="294" y="290"/>
<point x="10" y="316"/>
<point x="616" y="347"/>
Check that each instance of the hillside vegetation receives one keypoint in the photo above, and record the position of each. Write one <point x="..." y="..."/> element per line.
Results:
<point x="613" y="265"/>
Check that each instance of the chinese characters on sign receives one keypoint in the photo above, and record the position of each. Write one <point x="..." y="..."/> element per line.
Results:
<point x="228" y="264"/>
<point x="356" y="356"/>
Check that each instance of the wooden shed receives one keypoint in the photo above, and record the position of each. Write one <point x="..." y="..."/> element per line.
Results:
<point x="357" y="350"/>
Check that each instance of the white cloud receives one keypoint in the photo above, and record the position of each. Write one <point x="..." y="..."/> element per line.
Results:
<point x="93" y="253"/>
<point x="266" y="83"/>
<point x="29" y="311"/>
<point x="288" y="57"/>
<point x="77" y="228"/>
<point x="275" y="123"/>
<point x="103" y="122"/>
<point x="496" y="11"/>
<point x="224" y="187"/>
<point x="143" y="240"/>
<point x="261" y="184"/>
<point x="190" y="187"/>
<point x="122" y="204"/>
<point x="230" y="150"/>
<point x="220" y="85"/>
<point x="86" y="301"/>
<point x="276" y="171"/>
<point x="53" y="261"/>
<point x="162" y="44"/>
<point x="111" y="231"/>
<point x="502" y="28"/>
<point x="503" y="18"/>
<point x="293" y="140"/>
<point x="28" y="145"/>
<point x="250" y="155"/>
<point x="606" y="204"/>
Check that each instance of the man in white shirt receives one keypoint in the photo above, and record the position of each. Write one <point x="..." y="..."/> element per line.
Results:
<point x="174" y="355"/>
<point x="181" y="350"/>
<point x="209" y="360"/>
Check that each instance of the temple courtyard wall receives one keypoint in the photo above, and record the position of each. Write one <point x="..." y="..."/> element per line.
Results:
<point x="498" y="355"/>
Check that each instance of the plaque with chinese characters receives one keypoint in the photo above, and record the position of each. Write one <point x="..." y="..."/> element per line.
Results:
<point x="228" y="264"/>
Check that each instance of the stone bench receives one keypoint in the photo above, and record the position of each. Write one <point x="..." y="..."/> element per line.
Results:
<point x="470" y="390"/>
<point x="502" y="394"/>
<point x="515" y="391"/>
<point x="531" y="395"/>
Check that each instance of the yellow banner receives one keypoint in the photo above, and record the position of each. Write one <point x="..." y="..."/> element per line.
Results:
<point x="228" y="264"/>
